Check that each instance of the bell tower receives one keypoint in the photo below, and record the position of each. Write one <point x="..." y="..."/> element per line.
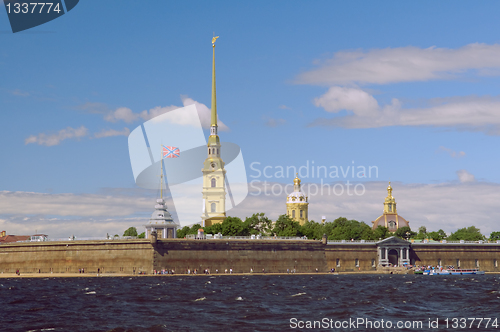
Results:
<point x="214" y="174"/>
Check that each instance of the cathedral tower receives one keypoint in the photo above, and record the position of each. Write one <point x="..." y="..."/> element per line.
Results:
<point x="214" y="174"/>
<point x="297" y="205"/>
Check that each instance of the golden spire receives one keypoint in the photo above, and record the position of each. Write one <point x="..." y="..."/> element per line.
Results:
<point x="389" y="190"/>
<point x="214" y="101"/>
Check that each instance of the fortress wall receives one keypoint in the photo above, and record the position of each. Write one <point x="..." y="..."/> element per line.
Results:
<point x="430" y="254"/>
<point x="127" y="256"/>
<point x="110" y="256"/>
<point x="347" y="255"/>
<point x="240" y="255"/>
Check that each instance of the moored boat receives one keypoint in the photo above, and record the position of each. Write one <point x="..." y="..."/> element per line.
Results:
<point x="452" y="272"/>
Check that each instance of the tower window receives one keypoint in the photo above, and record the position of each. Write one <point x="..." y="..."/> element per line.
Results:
<point x="217" y="150"/>
<point x="209" y="151"/>
<point x="293" y="214"/>
<point x="213" y="182"/>
<point x="212" y="207"/>
<point x="301" y="213"/>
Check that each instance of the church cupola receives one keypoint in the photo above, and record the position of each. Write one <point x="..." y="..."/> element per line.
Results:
<point x="390" y="218"/>
<point x="297" y="206"/>
<point x="390" y="202"/>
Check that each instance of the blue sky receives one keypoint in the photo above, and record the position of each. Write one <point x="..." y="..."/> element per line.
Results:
<point x="411" y="88"/>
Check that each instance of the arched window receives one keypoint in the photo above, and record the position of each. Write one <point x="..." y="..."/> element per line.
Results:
<point x="301" y="213"/>
<point x="213" y="151"/>
<point x="212" y="207"/>
<point x="209" y="151"/>
<point x="213" y="182"/>
<point x="217" y="150"/>
<point x="293" y="214"/>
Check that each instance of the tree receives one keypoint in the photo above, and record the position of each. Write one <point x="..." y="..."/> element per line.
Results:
<point x="404" y="233"/>
<point x="181" y="233"/>
<point x="142" y="235"/>
<point x="286" y="226"/>
<point x="422" y="233"/>
<point x="437" y="236"/>
<point x="214" y="229"/>
<point x="233" y="226"/>
<point x="381" y="232"/>
<point x="344" y="229"/>
<point x="258" y="224"/>
<point x="495" y="236"/>
<point x="131" y="231"/>
<point x="312" y="230"/>
<point x="467" y="234"/>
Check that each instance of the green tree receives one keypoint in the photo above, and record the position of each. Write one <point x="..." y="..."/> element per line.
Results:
<point x="214" y="229"/>
<point x="344" y="229"/>
<point x="468" y="234"/>
<point x="181" y="233"/>
<point x="131" y="231"/>
<point x="437" y="236"/>
<point x="312" y="230"/>
<point x="286" y="226"/>
<point x="258" y="223"/>
<point x="404" y="233"/>
<point x="233" y="226"/>
<point x="381" y="232"/>
<point x="142" y="235"/>
<point x="495" y="236"/>
<point x="422" y="233"/>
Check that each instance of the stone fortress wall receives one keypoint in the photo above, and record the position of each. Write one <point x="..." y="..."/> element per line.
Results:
<point x="274" y="256"/>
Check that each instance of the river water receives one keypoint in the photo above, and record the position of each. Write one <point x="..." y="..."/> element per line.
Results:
<point x="251" y="303"/>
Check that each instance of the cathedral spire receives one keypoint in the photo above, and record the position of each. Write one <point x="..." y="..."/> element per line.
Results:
<point x="214" y="99"/>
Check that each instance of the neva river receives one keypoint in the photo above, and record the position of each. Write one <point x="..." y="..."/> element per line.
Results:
<point x="251" y="303"/>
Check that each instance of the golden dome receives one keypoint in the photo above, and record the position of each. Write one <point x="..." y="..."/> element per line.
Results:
<point x="296" y="181"/>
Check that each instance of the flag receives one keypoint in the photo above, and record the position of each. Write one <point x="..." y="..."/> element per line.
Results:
<point x="171" y="152"/>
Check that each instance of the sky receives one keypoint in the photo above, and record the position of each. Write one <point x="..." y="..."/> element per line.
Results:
<point x="371" y="92"/>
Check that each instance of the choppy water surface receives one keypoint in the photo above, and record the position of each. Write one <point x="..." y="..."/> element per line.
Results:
<point x="243" y="303"/>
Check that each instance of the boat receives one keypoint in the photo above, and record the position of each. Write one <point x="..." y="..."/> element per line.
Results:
<point x="433" y="272"/>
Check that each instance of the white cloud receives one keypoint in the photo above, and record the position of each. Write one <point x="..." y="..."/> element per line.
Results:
<point x="404" y="64"/>
<point x="339" y="98"/>
<point x="452" y="153"/>
<point x="88" y="205"/>
<point x="19" y="93"/>
<point x="122" y="114"/>
<point x="271" y="122"/>
<point x="127" y="115"/>
<point x="465" y="176"/>
<point x="112" y="132"/>
<point x="284" y="107"/>
<point x="57" y="138"/>
<point x="465" y="113"/>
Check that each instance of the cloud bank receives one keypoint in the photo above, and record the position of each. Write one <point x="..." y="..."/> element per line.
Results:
<point x="404" y="64"/>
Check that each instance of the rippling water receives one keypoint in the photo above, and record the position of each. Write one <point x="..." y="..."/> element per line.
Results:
<point x="242" y="303"/>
